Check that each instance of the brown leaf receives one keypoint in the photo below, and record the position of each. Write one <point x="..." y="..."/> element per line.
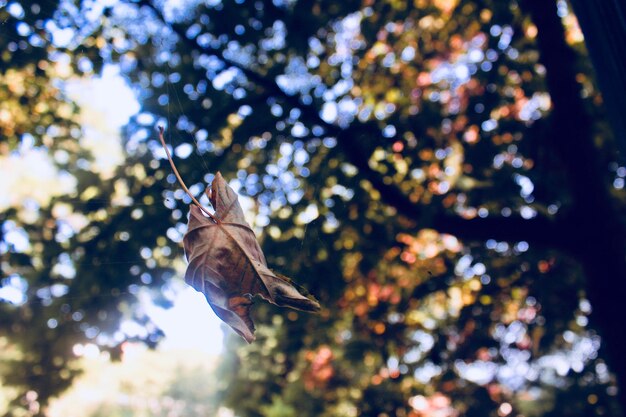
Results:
<point x="227" y="265"/>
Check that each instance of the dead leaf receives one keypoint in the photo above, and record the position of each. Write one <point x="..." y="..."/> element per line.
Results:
<point x="227" y="265"/>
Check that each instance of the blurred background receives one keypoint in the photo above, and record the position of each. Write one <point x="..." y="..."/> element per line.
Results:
<point x="445" y="176"/>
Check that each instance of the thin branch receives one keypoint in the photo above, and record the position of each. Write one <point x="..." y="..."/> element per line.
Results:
<point x="180" y="180"/>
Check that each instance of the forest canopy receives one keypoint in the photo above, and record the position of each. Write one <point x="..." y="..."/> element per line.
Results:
<point x="440" y="174"/>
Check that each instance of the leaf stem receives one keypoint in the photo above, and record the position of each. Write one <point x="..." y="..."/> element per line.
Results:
<point x="180" y="180"/>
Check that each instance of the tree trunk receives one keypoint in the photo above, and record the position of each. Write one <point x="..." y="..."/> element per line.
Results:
<point x="604" y="25"/>
<point x="591" y="228"/>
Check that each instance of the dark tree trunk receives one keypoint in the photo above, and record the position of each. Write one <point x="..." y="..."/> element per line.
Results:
<point x="591" y="227"/>
<point x="604" y="25"/>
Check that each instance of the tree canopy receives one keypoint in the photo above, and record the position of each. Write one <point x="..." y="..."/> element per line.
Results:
<point x="438" y="173"/>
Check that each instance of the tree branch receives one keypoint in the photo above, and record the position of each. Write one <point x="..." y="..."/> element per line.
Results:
<point x="536" y="230"/>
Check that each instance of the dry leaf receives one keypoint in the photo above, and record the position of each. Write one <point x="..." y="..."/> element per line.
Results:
<point x="227" y="265"/>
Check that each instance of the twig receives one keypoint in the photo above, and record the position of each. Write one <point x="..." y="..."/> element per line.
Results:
<point x="180" y="180"/>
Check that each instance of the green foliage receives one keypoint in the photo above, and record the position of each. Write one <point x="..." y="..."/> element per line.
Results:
<point x="424" y="168"/>
<point x="279" y="408"/>
<point x="146" y="384"/>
